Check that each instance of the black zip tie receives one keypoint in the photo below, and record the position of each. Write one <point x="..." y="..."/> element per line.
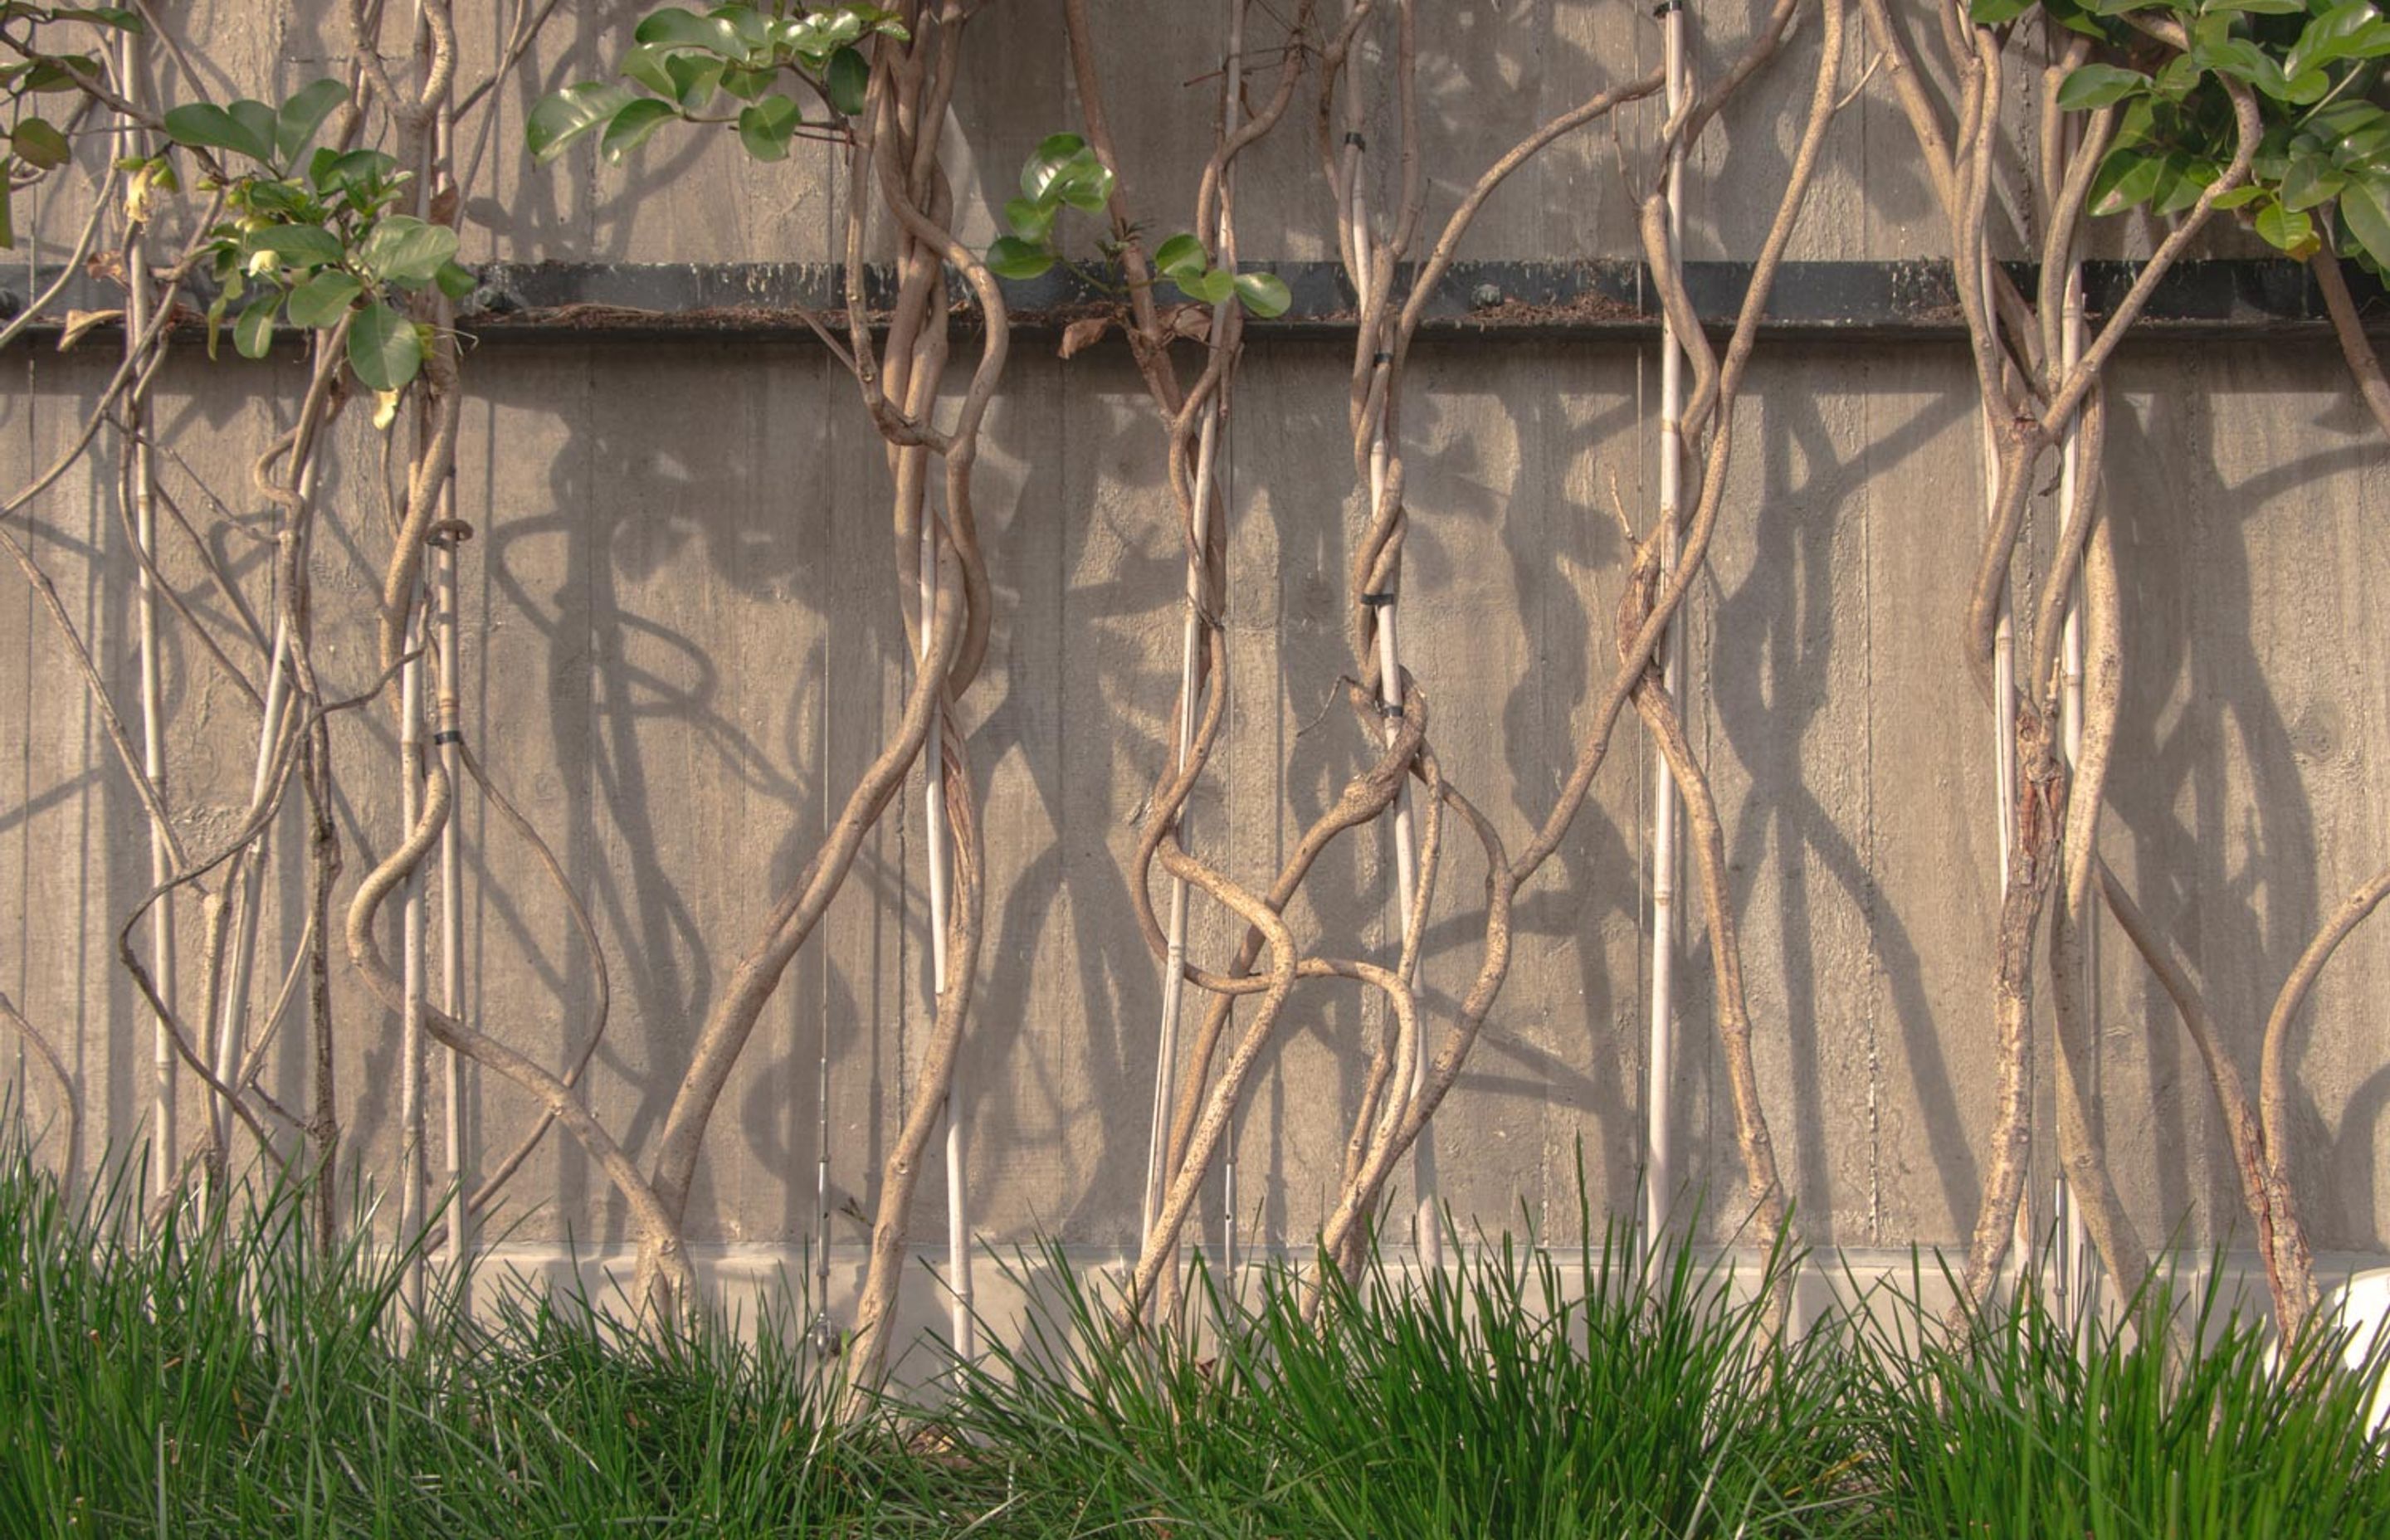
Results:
<point x="1389" y="710"/>
<point x="1353" y="137"/>
<point x="1377" y="601"/>
<point x="1664" y="7"/>
<point x="446" y="736"/>
<point x="1382" y="357"/>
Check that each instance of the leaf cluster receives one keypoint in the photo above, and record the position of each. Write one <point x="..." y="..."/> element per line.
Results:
<point x="313" y="237"/>
<point x="1064" y="171"/>
<point x="683" y="62"/>
<point x="2323" y="167"/>
<point x="35" y="145"/>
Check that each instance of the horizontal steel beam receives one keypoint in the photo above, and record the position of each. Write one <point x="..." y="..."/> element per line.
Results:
<point x="1869" y="301"/>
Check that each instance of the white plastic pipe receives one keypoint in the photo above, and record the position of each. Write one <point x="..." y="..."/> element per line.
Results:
<point x="1660" y="1053"/>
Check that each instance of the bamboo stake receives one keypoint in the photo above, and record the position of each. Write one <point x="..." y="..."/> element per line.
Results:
<point x="163" y="1155"/>
<point x="1660" y="1066"/>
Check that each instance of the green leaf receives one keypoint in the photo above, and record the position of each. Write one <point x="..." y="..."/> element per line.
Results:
<point x="1032" y="222"/>
<point x="2365" y="208"/>
<point x="1264" y="293"/>
<point x="2181" y="182"/>
<point x="2287" y="230"/>
<point x="253" y="333"/>
<point x="2256" y="7"/>
<point x="1010" y="257"/>
<point x="1181" y="253"/>
<point x="258" y="121"/>
<point x="1086" y="183"/>
<point x="204" y="125"/>
<point x="814" y="38"/>
<point x="748" y="24"/>
<point x="323" y="298"/>
<point x="645" y="65"/>
<point x="2344" y="117"/>
<point x="276" y="196"/>
<point x="384" y="348"/>
<point x="747" y="85"/>
<point x="295" y="124"/>
<point x="2243" y="59"/>
<point x="563" y="116"/>
<point x="1047" y="163"/>
<point x="2349" y="31"/>
<point x="39" y="145"/>
<point x="846" y="79"/>
<point x="2179" y="78"/>
<point x="2099" y="85"/>
<point x="2308" y="85"/>
<point x="60" y="72"/>
<point x="1211" y="288"/>
<point x="301" y="245"/>
<point x="673" y="29"/>
<point x="693" y="78"/>
<point x="407" y="251"/>
<point x="765" y="127"/>
<point x="456" y="280"/>
<point x="2125" y="177"/>
<point x="8" y="219"/>
<point x="359" y="174"/>
<point x="631" y="126"/>
<point x="1992" y="13"/>
<point x="2310" y="184"/>
<point x="100" y="15"/>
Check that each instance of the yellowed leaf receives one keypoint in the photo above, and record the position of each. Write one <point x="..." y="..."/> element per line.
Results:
<point x="82" y="321"/>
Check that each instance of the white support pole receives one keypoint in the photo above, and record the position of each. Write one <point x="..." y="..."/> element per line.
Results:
<point x="1427" y="1230"/>
<point x="958" y="1257"/>
<point x="232" y="1008"/>
<point x="1166" y="1069"/>
<point x="449" y="740"/>
<point x="1660" y="1056"/>
<point x="413" y="971"/>
<point x="163" y="1153"/>
<point x="247" y="892"/>
<point x="2074" y="1272"/>
<point x="2003" y="702"/>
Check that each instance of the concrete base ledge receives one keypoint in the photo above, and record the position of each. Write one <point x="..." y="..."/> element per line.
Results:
<point x="755" y="1282"/>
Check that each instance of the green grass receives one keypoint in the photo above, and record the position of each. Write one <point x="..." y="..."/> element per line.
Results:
<point x="2034" y="1427"/>
<point x="211" y="1375"/>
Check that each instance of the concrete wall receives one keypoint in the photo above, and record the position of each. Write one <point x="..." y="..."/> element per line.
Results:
<point x="684" y="644"/>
